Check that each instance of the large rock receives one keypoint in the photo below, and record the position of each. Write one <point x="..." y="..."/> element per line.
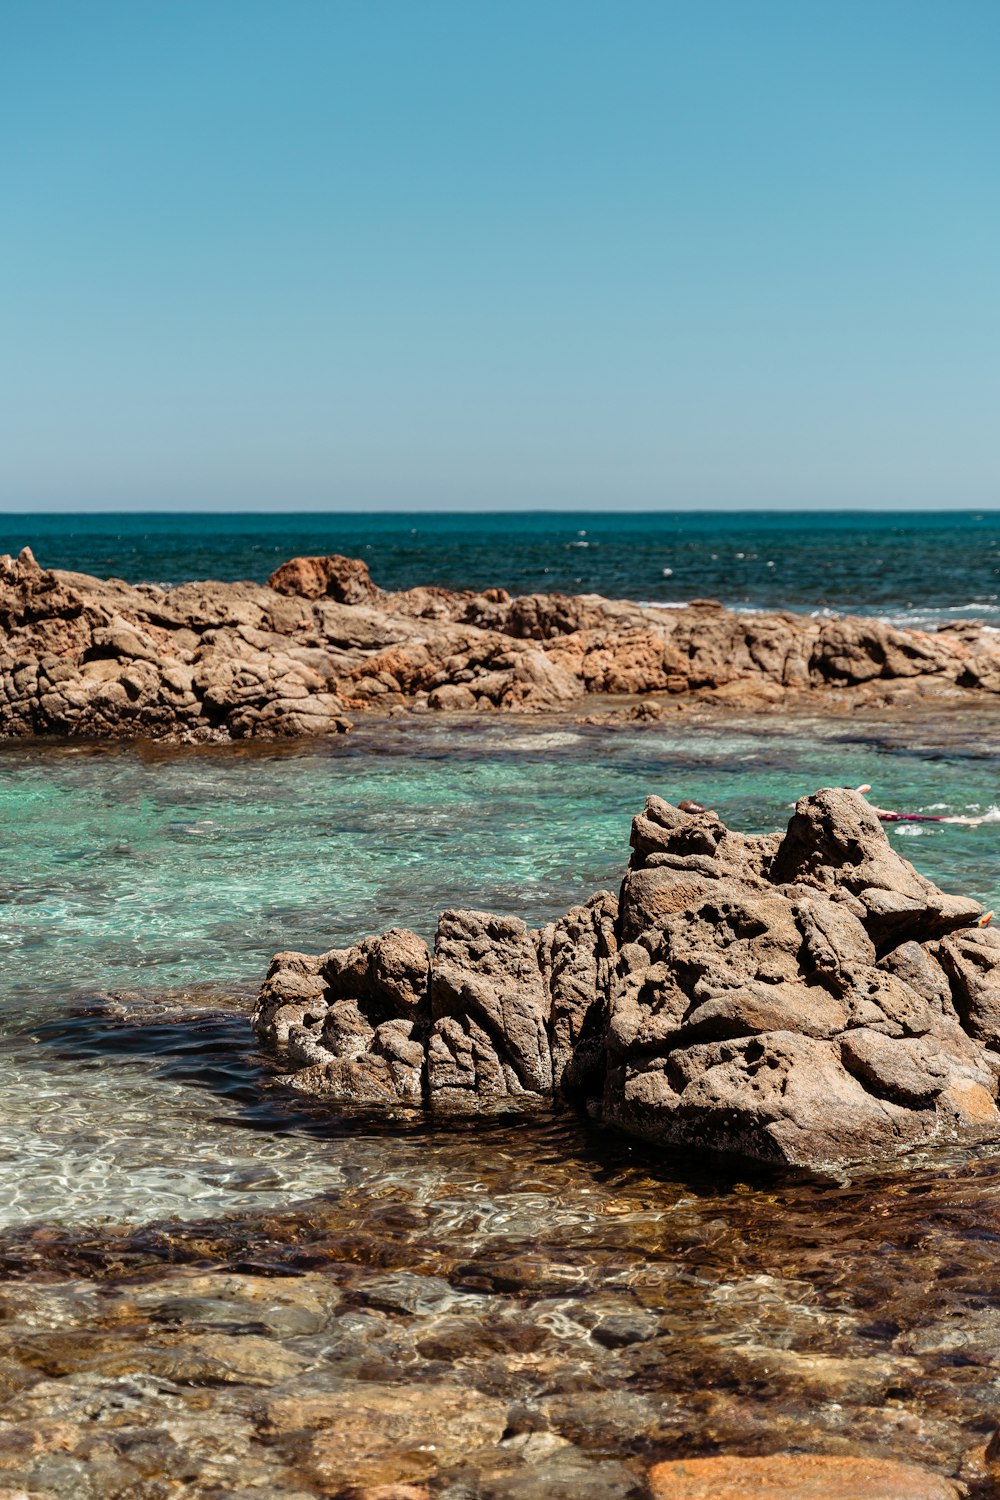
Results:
<point x="101" y="658"/>
<point x="806" y="999"/>
<point x="489" y="1041"/>
<point x="838" y="844"/>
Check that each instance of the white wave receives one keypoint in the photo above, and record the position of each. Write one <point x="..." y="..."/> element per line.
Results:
<point x="903" y="619"/>
<point x="915" y="617"/>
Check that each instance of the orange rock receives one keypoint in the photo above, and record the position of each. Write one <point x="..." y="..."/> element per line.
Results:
<point x="345" y="579"/>
<point x="392" y="1492"/>
<point x="796" y="1476"/>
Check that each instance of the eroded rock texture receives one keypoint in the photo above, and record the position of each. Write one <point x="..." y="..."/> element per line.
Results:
<point x="805" y="998"/>
<point x="320" y="641"/>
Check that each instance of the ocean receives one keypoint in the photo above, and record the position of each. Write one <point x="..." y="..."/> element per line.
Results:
<point x="154" y="1174"/>
<point x="915" y="568"/>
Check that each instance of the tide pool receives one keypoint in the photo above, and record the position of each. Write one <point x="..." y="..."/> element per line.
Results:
<point x="170" y="878"/>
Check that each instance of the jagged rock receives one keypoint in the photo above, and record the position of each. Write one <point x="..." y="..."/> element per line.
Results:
<point x="489" y="1043"/>
<point x="354" y="1018"/>
<point x="804" y="999"/>
<point x="678" y="858"/>
<point x="209" y="661"/>
<point x="971" y="962"/>
<point x="576" y="955"/>
<point x="841" y="845"/>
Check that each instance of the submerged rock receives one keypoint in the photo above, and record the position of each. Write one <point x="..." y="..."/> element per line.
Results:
<point x="796" y="1476"/>
<point x="805" y="999"/>
<point x="105" y="659"/>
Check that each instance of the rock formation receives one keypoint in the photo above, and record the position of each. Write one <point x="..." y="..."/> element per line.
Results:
<point x="806" y="999"/>
<point x="202" y="661"/>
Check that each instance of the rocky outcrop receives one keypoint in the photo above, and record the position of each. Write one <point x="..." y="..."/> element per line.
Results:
<point x="320" y="642"/>
<point x="805" y="999"/>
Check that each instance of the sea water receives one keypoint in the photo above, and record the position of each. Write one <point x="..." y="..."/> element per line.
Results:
<point x="922" y="567"/>
<point x="145" y="890"/>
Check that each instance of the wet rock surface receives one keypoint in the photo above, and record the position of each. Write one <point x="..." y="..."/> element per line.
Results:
<point x="82" y="656"/>
<point x="807" y="999"/>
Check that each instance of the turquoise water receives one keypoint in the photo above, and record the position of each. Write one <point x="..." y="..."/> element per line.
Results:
<point x="142" y="873"/>
<point x="921" y="567"/>
<point x="171" y="869"/>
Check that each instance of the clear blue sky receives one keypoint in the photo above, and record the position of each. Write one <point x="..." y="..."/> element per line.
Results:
<point x="488" y="253"/>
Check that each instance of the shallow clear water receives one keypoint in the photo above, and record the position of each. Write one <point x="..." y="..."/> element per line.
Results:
<point x="183" y="1243"/>
<point x="177" y="875"/>
<point x="917" y="567"/>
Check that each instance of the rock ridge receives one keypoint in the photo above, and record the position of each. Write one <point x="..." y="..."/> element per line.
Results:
<point x="804" y="999"/>
<point x="82" y="656"/>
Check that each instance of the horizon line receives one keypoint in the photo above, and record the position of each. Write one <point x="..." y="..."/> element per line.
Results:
<point x="543" y="510"/>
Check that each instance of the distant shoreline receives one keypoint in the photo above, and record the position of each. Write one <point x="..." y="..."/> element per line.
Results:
<point x="320" y="643"/>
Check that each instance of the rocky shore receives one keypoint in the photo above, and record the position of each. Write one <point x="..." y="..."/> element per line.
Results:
<point x="320" y="642"/>
<point x="803" y="999"/>
<point x="637" y="1340"/>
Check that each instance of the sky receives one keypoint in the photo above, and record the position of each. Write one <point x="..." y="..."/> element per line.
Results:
<point x="487" y="254"/>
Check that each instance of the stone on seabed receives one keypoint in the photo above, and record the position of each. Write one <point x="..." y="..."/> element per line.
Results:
<point x="805" y="999"/>
<point x="796" y="1476"/>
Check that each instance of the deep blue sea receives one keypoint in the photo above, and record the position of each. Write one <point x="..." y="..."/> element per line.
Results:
<point x="916" y="567"/>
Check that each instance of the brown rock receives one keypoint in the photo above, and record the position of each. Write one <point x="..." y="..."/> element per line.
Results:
<point x="787" y="999"/>
<point x="345" y="579"/>
<point x="353" y="1018"/>
<point x="453" y="697"/>
<point x="575" y="956"/>
<point x="391" y="1492"/>
<point x="836" y="841"/>
<point x="388" y="975"/>
<point x="207" y="661"/>
<point x="489" y="1044"/>
<point x="971" y="961"/>
<point x="389" y="1434"/>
